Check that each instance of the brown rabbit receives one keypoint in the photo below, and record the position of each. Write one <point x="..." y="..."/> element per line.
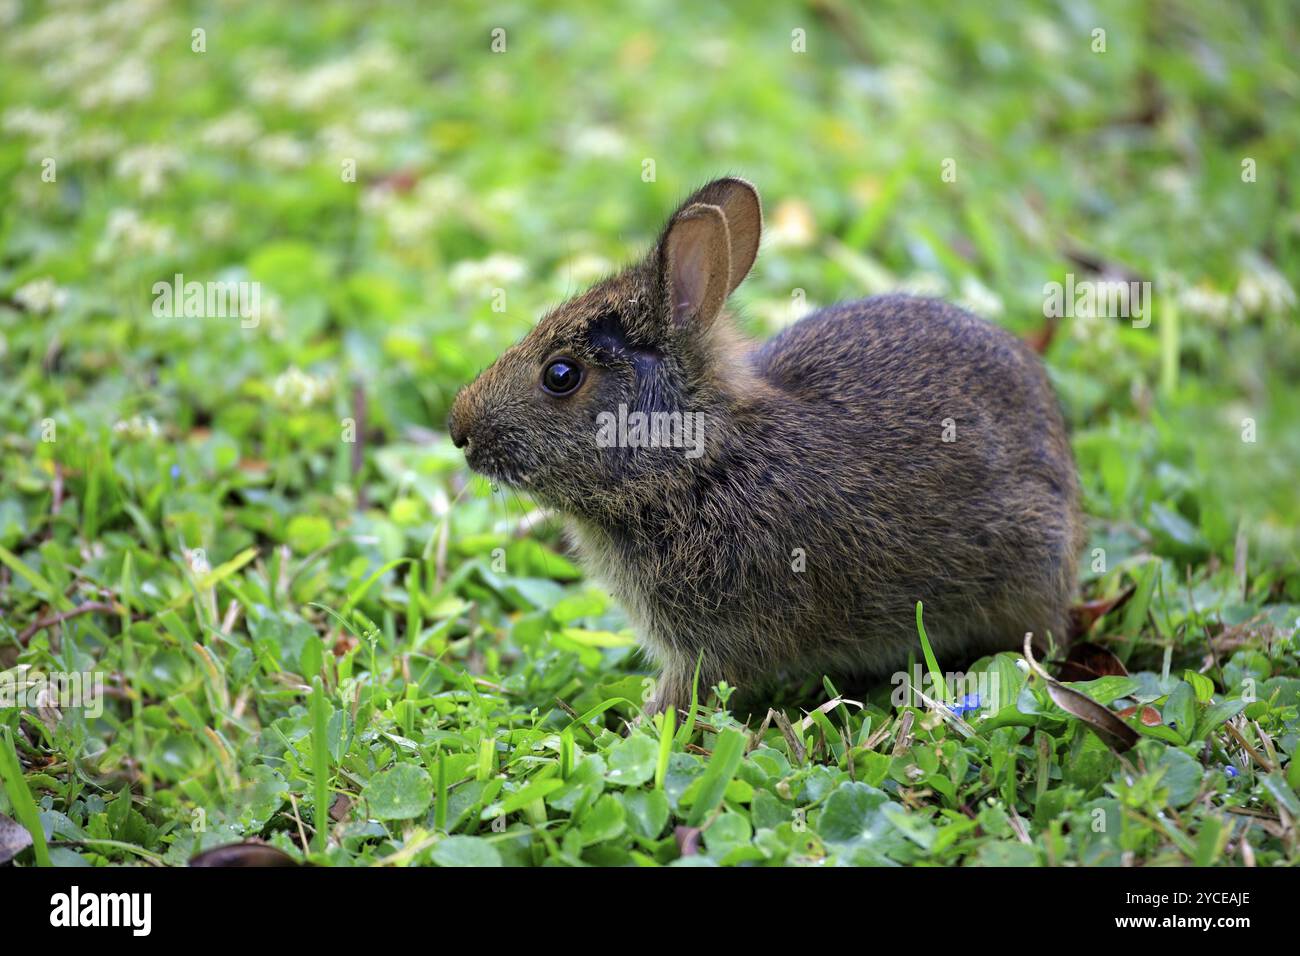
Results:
<point x="813" y="489"/>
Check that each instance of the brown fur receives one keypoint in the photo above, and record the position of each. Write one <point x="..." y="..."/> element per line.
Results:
<point x="826" y="440"/>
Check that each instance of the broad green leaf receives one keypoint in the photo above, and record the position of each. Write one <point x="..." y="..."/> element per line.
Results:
<point x="458" y="851"/>
<point x="399" y="793"/>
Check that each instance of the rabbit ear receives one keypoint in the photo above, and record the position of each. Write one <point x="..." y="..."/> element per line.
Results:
<point x="738" y="200"/>
<point x="696" y="261"/>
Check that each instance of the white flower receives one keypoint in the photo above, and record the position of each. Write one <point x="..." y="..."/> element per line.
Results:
<point x="792" y="225"/>
<point x="38" y="124"/>
<point x="504" y="202"/>
<point x="925" y="283"/>
<point x="138" y="428"/>
<point x="54" y="34"/>
<point x="283" y="150"/>
<point x="583" y="269"/>
<point x="85" y="62"/>
<point x="1261" y="288"/>
<point x="375" y="57"/>
<point x="410" y="219"/>
<point x="1208" y="302"/>
<point x="378" y="200"/>
<point x="1044" y="36"/>
<point x="979" y="298"/>
<point x="127" y="231"/>
<point x="216" y="221"/>
<point x="905" y="83"/>
<point x="149" y="166"/>
<point x="96" y="145"/>
<point x="314" y="89"/>
<point x="498" y="269"/>
<point x="408" y="224"/>
<point x="1173" y="180"/>
<point x="41" y="296"/>
<point x="598" y="142"/>
<point x="324" y="84"/>
<point x="439" y="193"/>
<point x="295" y="387"/>
<point x="272" y="323"/>
<point x="1098" y="332"/>
<point x="234" y="130"/>
<point x="270" y="83"/>
<point x="1086" y="326"/>
<point x="778" y="313"/>
<point x="128" y="82"/>
<point x="340" y="142"/>
<point x="713" y="51"/>
<point x="384" y="122"/>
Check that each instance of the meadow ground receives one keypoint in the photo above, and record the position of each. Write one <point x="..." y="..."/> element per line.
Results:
<point x="315" y="628"/>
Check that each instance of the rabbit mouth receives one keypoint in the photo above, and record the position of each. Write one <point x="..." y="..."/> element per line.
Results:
<point x="510" y="478"/>
<point x="496" y="468"/>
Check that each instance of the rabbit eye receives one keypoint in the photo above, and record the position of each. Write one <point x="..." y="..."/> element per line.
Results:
<point x="561" y="377"/>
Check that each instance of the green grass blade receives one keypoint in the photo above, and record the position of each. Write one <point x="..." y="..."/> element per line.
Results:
<point x="931" y="662"/>
<point x="665" y="746"/>
<point x="724" y="763"/>
<point x="21" y="798"/>
<point x="320" y="759"/>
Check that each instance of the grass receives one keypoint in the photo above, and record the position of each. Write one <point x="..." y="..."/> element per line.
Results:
<point x="314" y="628"/>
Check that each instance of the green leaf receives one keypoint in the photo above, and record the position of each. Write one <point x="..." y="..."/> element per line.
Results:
<point x="1216" y="715"/>
<point x="20" y="798"/>
<point x="1201" y="685"/>
<point x="632" y="761"/>
<point x="307" y="533"/>
<point x="1177" y="528"/>
<point x="456" y="851"/>
<point x="400" y="793"/>
<point x="726" y="833"/>
<point x="1179" y="712"/>
<point x="47" y="590"/>
<point x="1282" y="794"/>
<point x="1182" y="775"/>
<point x="604" y="821"/>
<point x="1211" y="840"/>
<point x="535" y="790"/>
<point x="727" y="754"/>
<point x="1104" y="690"/>
<point x="647" y="811"/>
<point x="853" y="814"/>
<point x="577" y="606"/>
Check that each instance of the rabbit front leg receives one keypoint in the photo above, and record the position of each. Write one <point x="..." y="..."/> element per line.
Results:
<point x="676" y="681"/>
<point x="673" y="688"/>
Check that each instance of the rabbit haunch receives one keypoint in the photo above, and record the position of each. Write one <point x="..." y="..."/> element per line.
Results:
<point x="827" y="440"/>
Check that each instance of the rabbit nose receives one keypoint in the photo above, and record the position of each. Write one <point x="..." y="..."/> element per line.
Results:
<point x="459" y="434"/>
<point x="458" y="426"/>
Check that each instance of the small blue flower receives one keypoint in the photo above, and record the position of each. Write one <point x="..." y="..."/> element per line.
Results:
<point x="176" y="471"/>
<point x="1230" y="770"/>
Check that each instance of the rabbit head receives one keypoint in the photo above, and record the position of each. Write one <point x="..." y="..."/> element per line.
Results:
<point x="649" y="340"/>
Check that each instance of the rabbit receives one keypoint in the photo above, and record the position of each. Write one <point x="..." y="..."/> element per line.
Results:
<point x="874" y="454"/>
